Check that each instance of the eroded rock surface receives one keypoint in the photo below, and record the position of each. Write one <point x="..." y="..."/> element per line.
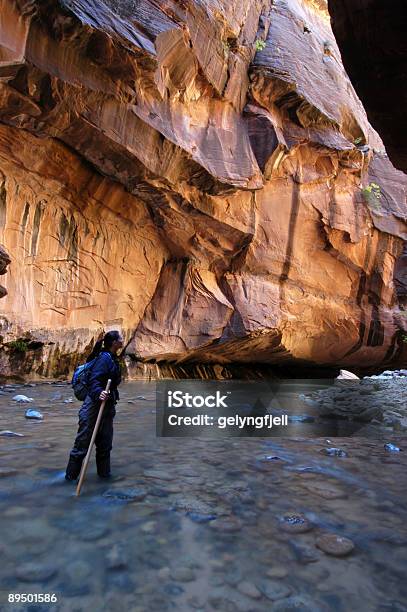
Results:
<point x="182" y="173"/>
<point x="4" y="262"/>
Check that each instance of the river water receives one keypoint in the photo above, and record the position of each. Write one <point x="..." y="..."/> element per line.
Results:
<point x="196" y="524"/>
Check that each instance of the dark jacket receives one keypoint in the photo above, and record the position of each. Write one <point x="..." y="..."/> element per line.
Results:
<point x="106" y="366"/>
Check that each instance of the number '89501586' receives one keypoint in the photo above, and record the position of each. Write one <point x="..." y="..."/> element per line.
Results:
<point x="32" y="598"/>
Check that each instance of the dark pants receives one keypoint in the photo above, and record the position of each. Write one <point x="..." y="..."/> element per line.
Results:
<point x="104" y="438"/>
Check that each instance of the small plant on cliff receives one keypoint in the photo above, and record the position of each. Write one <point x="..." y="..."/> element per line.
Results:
<point x="18" y="346"/>
<point x="404" y="338"/>
<point x="373" y="194"/>
<point x="226" y="47"/>
<point x="260" y="44"/>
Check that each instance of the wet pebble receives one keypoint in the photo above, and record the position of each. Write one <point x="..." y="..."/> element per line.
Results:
<point x="273" y="589"/>
<point x="173" y="589"/>
<point x="226" y="525"/>
<point x="295" y="523"/>
<point x="392" y="448"/>
<point x="22" y="399"/>
<point x="334" y="545"/>
<point x="33" y="414"/>
<point x="297" y="603"/>
<point x="249" y="589"/>
<point x="116" y="558"/>
<point x="304" y="554"/>
<point x="159" y="474"/>
<point x="197" y="517"/>
<point x="134" y="494"/>
<point x="277" y="572"/>
<point x="334" y="452"/>
<point x="35" y="572"/>
<point x="6" y="433"/>
<point x="183" y="574"/>
<point x="93" y="533"/>
<point x="7" y="472"/>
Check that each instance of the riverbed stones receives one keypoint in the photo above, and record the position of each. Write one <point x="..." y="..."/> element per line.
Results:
<point x="334" y="545"/>
<point x="293" y="522"/>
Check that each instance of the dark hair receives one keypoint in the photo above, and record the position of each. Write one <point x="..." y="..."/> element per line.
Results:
<point x="104" y="344"/>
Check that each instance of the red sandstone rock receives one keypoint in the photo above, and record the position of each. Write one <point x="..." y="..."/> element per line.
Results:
<point x="162" y="176"/>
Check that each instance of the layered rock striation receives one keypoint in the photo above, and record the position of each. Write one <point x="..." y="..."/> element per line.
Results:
<point x="200" y="175"/>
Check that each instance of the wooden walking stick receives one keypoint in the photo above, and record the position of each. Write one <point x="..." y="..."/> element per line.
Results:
<point x="92" y="441"/>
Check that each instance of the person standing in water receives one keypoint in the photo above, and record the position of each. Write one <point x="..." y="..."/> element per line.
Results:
<point x="106" y="366"/>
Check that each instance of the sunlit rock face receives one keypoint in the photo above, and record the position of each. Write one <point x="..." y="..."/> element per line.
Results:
<point x="193" y="175"/>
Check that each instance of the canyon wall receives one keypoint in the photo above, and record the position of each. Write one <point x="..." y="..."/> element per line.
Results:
<point x="200" y="175"/>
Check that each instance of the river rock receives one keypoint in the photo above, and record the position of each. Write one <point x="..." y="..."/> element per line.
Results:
<point x="10" y="434"/>
<point x="334" y="452"/>
<point x="392" y="448"/>
<point x="249" y="589"/>
<point x="33" y="414"/>
<point x="116" y="558"/>
<point x="133" y="494"/>
<point x="273" y="589"/>
<point x="183" y="574"/>
<point x="295" y="523"/>
<point x="22" y="399"/>
<point x="296" y="603"/>
<point x="4" y="472"/>
<point x="226" y="525"/>
<point x="334" y="545"/>
<point x="35" y="572"/>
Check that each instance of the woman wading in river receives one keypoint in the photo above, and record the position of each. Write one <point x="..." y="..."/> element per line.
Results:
<point x="106" y="366"/>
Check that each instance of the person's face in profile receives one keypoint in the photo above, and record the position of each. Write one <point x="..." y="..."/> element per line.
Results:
<point x="117" y="344"/>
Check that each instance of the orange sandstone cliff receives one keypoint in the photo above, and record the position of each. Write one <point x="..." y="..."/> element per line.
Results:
<point x="201" y="175"/>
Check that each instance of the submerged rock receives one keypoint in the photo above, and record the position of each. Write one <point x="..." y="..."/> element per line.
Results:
<point x="35" y="572"/>
<point x="33" y="414"/>
<point x="332" y="544"/>
<point x="334" y="452"/>
<point x="133" y="494"/>
<point x="295" y="523"/>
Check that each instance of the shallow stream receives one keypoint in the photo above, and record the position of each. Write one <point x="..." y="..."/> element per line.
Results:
<point x="196" y="524"/>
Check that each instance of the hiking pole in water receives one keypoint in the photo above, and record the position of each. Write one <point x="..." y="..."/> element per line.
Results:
<point x="92" y="441"/>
